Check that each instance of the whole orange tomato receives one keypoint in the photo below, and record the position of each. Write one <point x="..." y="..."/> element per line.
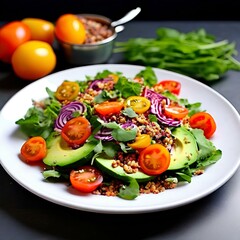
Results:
<point x="33" y="59"/>
<point x="41" y="29"/>
<point x="12" y="35"/>
<point x="70" y="29"/>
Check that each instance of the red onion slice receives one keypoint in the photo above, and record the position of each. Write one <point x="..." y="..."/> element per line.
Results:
<point x="104" y="134"/>
<point x="95" y="83"/>
<point x="67" y="113"/>
<point x="156" y="107"/>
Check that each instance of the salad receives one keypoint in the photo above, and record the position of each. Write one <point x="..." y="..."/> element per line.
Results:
<point x="115" y="136"/>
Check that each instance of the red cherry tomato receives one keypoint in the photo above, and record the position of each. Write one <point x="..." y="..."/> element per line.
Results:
<point x="106" y="108"/>
<point x="12" y="35"/>
<point x="175" y="111"/>
<point x="76" y="131"/>
<point x="86" y="179"/>
<point x="34" y="149"/>
<point x="154" y="159"/>
<point x="204" y="121"/>
<point x="170" y="85"/>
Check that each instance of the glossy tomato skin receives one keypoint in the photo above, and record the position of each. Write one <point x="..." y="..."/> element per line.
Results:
<point x="137" y="103"/>
<point x="41" y="29"/>
<point x="175" y="112"/>
<point x="142" y="141"/>
<point x="86" y="179"/>
<point x="170" y="85"/>
<point x="33" y="60"/>
<point x="67" y="91"/>
<point x="76" y="131"/>
<point x="70" y="29"/>
<point x="34" y="149"/>
<point x="107" y="107"/>
<point x="154" y="159"/>
<point x="12" y="35"/>
<point x="204" y="121"/>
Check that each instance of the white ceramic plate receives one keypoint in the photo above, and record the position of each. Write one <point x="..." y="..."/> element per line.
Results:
<point x="226" y="138"/>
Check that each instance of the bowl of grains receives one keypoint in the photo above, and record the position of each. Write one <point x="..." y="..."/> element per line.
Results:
<point x="99" y="40"/>
<point x="98" y="44"/>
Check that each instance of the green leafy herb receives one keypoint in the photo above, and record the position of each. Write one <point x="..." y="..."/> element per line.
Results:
<point x="128" y="88"/>
<point x="104" y="96"/>
<point x="124" y="135"/>
<point x="195" y="54"/>
<point x="149" y="76"/>
<point x="51" y="173"/>
<point x="40" y="121"/>
<point x="131" y="191"/>
<point x="129" y="112"/>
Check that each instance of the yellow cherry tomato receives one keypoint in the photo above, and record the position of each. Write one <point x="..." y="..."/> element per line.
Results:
<point x="67" y="91"/>
<point x="142" y="141"/>
<point x="40" y="29"/>
<point x="33" y="59"/>
<point x="137" y="103"/>
<point x="115" y="77"/>
<point x="69" y="28"/>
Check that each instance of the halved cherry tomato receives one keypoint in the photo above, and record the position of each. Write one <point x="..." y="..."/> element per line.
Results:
<point x="76" y="131"/>
<point x="34" y="149"/>
<point x="41" y="29"/>
<point x="142" y="141"/>
<point x="137" y="103"/>
<point x="154" y="159"/>
<point x="69" y="28"/>
<point x="12" y="35"/>
<point x="170" y="85"/>
<point x="106" y="108"/>
<point x="175" y="111"/>
<point x="67" y="91"/>
<point x="86" y="179"/>
<point x="204" y="121"/>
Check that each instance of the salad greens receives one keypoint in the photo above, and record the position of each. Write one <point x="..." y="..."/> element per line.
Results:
<point x="196" y="53"/>
<point x="40" y="120"/>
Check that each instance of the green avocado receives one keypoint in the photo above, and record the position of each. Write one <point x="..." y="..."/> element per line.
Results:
<point x="105" y="165"/>
<point x="60" y="154"/>
<point x="185" y="150"/>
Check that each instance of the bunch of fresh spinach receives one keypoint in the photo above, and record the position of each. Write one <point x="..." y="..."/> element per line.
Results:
<point x="195" y="54"/>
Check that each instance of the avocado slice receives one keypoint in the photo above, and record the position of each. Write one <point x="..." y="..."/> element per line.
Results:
<point x="106" y="166"/>
<point x="185" y="150"/>
<point x="60" y="154"/>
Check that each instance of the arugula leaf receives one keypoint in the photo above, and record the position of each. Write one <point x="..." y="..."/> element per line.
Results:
<point x="104" y="96"/>
<point x="119" y="133"/>
<point x="51" y="173"/>
<point x="124" y="135"/>
<point x="105" y="73"/>
<point x="128" y="88"/>
<point x="38" y="121"/>
<point x="192" y="107"/>
<point x="149" y="76"/>
<point x="110" y="149"/>
<point x="131" y="191"/>
<point x="152" y="118"/>
<point x="129" y="112"/>
<point x="206" y="147"/>
<point x="195" y="54"/>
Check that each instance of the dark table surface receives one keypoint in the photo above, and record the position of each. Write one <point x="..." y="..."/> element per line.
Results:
<point x="24" y="215"/>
